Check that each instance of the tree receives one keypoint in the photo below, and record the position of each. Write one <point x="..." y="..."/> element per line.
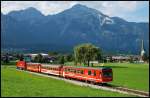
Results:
<point x="6" y="59"/>
<point x="21" y="57"/>
<point x="61" y="59"/>
<point x="38" y="58"/>
<point x="85" y="53"/>
<point x="52" y="53"/>
<point x="131" y="60"/>
<point x="144" y="57"/>
<point x="68" y="58"/>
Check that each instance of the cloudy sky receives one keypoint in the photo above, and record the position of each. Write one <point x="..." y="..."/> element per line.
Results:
<point x="133" y="11"/>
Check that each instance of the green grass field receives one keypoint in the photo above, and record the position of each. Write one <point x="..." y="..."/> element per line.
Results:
<point x="16" y="83"/>
<point x="135" y="76"/>
<point x="130" y="75"/>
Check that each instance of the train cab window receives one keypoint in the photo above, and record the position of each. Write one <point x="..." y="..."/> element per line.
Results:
<point x="107" y="74"/>
<point x="89" y="72"/>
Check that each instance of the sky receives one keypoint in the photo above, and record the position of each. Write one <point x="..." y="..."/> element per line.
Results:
<point x="132" y="11"/>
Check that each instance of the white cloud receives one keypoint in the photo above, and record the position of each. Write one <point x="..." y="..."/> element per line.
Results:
<point x="110" y="8"/>
<point x="46" y="7"/>
<point x="127" y="5"/>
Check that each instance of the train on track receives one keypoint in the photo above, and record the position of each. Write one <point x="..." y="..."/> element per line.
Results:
<point x="87" y="74"/>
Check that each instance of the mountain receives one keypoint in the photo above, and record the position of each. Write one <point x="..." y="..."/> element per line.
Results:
<point x="28" y="14"/>
<point x="32" y="30"/>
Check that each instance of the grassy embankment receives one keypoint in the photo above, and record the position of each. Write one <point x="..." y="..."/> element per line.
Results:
<point x="18" y="83"/>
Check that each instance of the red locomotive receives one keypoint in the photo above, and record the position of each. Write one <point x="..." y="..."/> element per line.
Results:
<point x="94" y="75"/>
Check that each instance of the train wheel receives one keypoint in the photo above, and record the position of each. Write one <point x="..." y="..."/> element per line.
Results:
<point x="91" y="82"/>
<point x="86" y="81"/>
<point x="103" y="84"/>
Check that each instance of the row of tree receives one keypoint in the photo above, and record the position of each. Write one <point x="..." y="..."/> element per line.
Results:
<point x="58" y="58"/>
<point x="83" y="54"/>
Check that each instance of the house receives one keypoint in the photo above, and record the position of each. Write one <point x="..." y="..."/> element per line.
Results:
<point x="120" y="58"/>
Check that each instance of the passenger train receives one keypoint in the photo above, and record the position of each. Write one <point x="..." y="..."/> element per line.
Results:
<point x="87" y="74"/>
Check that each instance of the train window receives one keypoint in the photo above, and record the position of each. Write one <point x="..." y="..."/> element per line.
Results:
<point x="73" y="70"/>
<point x="78" y="71"/>
<point x="81" y="71"/>
<point x="65" y="70"/>
<point x="95" y="73"/>
<point x="68" y="70"/>
<point x="89" y="72"/>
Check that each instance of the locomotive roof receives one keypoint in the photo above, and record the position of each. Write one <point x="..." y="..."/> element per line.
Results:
<point x="53" y="65"/>
<point x="101" y="67"/>
<point x="32" y="63"/>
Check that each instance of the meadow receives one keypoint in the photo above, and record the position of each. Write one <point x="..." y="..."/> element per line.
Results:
<point x="15" y="83"/>
<point x="130" y="75"/>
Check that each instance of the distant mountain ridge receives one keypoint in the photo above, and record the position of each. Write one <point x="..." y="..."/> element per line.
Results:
<point x="30" y="29"/>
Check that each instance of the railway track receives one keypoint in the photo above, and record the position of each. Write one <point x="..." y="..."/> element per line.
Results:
<point x="130" y="91"/>
<point x="98" y="86"/>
